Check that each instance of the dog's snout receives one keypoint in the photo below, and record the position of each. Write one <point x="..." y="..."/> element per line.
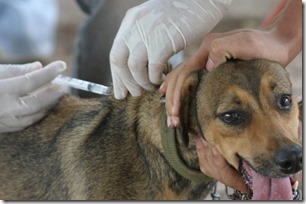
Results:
<point x="290" y="159"/>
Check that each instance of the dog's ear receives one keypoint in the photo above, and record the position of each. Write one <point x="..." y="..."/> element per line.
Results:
<point x="188" y="119"/>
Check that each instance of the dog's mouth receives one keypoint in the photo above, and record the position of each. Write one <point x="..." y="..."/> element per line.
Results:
<point x="263" y="187"/>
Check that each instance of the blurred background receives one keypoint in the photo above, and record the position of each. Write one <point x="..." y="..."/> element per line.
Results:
<point x="81" y="32"/>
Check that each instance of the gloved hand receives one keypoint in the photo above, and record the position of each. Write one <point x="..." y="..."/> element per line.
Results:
<point x="154" y="31"/>
<point x="26" y="93"/>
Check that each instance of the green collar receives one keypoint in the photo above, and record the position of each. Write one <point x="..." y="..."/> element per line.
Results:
<point x="168" y="137"/>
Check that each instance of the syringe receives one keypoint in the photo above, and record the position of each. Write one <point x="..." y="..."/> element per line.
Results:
<point x="82" y="85"/>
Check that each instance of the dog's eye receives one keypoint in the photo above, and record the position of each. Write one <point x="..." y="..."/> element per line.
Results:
<point x="284" y="102"/>
<point x="232" y="117"/>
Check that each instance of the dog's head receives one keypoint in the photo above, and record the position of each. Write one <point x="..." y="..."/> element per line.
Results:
<point x="246" y="110"/>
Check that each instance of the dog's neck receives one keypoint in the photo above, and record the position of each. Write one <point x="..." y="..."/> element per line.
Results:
<point x="150" y="124"/>
<point x="174" y="153"/>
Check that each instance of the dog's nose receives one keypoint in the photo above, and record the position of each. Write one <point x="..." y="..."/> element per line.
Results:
<point x="290" y="159"/>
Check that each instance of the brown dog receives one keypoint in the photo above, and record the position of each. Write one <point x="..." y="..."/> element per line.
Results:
<point x="105" y="149"/>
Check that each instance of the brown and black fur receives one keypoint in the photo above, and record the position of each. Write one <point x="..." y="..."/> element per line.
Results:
<point x="105" y="149"/>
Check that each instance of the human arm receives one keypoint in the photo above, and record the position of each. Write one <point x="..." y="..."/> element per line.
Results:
<point x="281" y="42"/>
<point x="151" y="33"/>
<point x="26" y="93"/>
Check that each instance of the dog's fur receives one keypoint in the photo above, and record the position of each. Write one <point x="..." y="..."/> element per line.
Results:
<point x="108" y="149"/>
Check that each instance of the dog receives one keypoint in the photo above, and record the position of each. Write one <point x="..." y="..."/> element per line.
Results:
<point x="107" y="149"/>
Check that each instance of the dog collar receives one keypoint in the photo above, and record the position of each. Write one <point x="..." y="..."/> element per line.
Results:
<point x="168" y="136"/>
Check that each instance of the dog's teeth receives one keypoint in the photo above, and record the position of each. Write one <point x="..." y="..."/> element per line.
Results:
<point x="246" y="178"/>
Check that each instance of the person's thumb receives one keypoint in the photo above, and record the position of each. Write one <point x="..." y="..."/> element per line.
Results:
<point x="218" y="54"/>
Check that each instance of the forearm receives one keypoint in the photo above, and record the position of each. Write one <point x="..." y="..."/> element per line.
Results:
<point x="288" y="28"/>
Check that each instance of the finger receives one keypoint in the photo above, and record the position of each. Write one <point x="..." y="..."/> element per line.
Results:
<point x="228" y="175"/>
<point x="138" y="61"/>
<point x="123" y="80"/>
<point x="29" y="82"/>
<point x="234" y="180"/>
<point x="163" y="87"/>
<point x="138" y="56"/>
<point x="210" y="163"/>
<point x="233" y="46"/>
<point x="120" y="91"/>
<point x="210" y="65"/>
<point x="177" y="92"/>
<point x="40" y="100"/>
<point x="217" y="54"/>
<point x="175" y="82"/>
<point x="156" y="72"/>
<point x="174" y="93"/>
<point x="202" y="148"/>
<point x="170" y="83"/>
<point x="13" y="123"/>
<point x="14" y="70"/>
<point x="157" y="65"/>
<point x="206" y="159"/>
<point x="118" y="59"/>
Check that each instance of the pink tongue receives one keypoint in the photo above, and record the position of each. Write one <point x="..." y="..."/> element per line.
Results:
<point x="265" y="188"/>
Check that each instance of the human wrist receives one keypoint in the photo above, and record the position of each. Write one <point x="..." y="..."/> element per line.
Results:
<point x="290" y="39"/>
<point x="290" y="43"/>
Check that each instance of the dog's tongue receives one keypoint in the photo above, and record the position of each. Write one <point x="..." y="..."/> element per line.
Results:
<point x="265" y="188"/>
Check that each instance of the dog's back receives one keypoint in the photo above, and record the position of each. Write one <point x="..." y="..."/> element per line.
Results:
<point x="92" y="149"/>
<point x="43" y="161"/>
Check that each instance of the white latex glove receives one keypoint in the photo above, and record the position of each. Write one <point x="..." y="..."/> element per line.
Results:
<point x="154" y="31"/>
<point x="26" y="93"/>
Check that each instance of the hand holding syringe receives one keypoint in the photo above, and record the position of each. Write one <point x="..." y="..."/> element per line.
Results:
<point x="82" y="85"/>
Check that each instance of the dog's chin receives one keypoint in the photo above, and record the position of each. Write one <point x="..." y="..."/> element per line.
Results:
<point x="263" y="187"/>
